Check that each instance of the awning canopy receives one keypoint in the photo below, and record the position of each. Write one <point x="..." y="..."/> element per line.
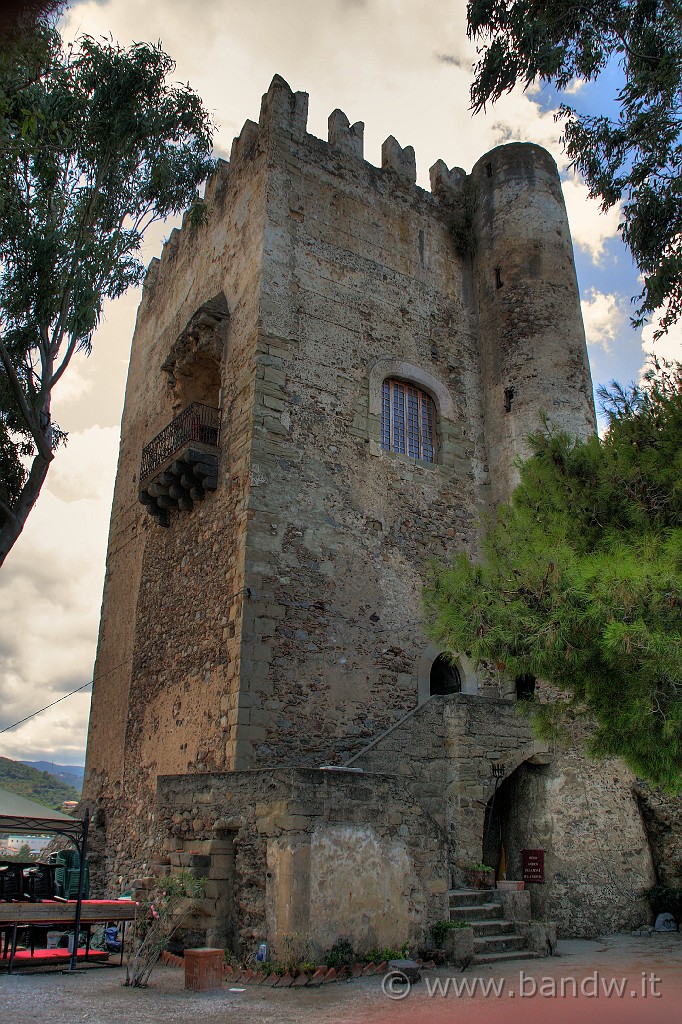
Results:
<point x="18" y="814"/>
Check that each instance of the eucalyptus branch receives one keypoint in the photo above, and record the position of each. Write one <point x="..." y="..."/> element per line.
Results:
<point x="7" y="511"/>
<point x="26" y="412"/>
<point x="71" y="348"/>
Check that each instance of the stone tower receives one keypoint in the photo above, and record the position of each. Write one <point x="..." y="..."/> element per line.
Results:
<point x="328" y="385"/>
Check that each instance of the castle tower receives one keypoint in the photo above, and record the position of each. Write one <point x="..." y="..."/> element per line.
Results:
<point x="533" y="348"/>
<point x="315" y="407"/>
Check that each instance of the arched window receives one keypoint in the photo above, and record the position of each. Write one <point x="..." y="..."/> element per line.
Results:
<point x="445" y="678"/>
<point x="408" y="420"/>
<point x="525" y="687"/>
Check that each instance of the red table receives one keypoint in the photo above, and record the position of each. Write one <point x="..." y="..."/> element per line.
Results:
<point x="54" y="913"/>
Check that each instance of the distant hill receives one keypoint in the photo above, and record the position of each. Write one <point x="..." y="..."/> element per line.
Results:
<point x="42" y="787"/>
<point x="71" y="774"/>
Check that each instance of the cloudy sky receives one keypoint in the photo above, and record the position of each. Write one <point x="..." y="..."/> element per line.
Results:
<point x="402" y="67"/>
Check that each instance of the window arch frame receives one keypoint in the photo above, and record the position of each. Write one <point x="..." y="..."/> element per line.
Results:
<point x="389" y="366"/>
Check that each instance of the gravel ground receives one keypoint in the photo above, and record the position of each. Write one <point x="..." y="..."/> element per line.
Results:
<point x="97" y="996"/>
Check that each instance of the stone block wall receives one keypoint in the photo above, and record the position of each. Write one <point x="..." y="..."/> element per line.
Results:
<point x="168" y="661"/>
<point x="360" y="281"/>
<point x="324" y="854"/>
<point x="584" y="814"/>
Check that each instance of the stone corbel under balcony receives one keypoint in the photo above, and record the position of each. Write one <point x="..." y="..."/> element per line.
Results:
<point x="180" y="465"/>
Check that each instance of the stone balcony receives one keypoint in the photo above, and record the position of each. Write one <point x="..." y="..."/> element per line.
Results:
<point x="180" y="465"/>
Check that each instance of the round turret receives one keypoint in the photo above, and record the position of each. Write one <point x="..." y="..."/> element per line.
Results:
<point x="532" y="336"/>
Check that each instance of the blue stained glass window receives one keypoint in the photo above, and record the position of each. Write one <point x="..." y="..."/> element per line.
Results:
<point x="408" y="421"/>
<point x="398" y="414"/>
<point x="386" y="416"/>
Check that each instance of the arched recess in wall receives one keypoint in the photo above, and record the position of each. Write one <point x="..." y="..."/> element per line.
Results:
<point x="388" y="368"/>
<point x="465" y="670"/>
<point x="514" y="813"/>
<point x="195" y="361"/>
<point x="525" y="687"/>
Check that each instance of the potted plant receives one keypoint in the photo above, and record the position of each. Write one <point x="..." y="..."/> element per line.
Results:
<point x="480" y="876"/>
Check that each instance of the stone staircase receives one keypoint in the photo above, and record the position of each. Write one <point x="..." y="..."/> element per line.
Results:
<point x="494" y="938"/>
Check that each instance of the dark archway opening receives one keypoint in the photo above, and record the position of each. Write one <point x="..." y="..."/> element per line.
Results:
<point x="525" y="687"/>
<point x="514" y="818"/>
<point x="197" y="380"/>
<point x="445" y="678"/>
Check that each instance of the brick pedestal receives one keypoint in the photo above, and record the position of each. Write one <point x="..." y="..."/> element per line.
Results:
<point x="203" y="969"/>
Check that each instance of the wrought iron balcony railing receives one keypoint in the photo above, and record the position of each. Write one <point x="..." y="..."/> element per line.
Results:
<point x="197" y="423"/>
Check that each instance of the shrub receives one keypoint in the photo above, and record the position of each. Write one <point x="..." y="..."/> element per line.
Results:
<point x="341" y="954"/>
<point x="378" y="956"/>
<point x="441" y="928"/>
<point x="161" y="914"/>
<point x="290" y="953"/>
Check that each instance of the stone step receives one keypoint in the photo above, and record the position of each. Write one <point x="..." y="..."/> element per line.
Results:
<point x="482" y="912"/>
<point x="482" y="928"/>
<point x="469" y="897"/>
<point x="500" y="944"/>
<point x="497" y="958"/>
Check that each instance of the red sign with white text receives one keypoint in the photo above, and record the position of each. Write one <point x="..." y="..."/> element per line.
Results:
<point x="533" y="865"/>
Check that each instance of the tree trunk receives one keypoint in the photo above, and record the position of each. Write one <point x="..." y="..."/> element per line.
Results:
<point x="11" y="530"/>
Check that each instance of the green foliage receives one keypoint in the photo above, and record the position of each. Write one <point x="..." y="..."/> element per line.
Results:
<point x="95" y="145"/>
<point x="664" y="899"/>
<point x="480" y="866"/>
<point x="162" y="912"/>
<point x="441" y="928"/>
<point x="581" y="580"/>
<point x="341" y="954"/>
<point x="291" y="952"/>
<point x="20" y="18"/>
<point x="377" y="955"/>
<point x="634" y="158"/>
<point x="23" y="855"/>
<point x="35" y="785"/>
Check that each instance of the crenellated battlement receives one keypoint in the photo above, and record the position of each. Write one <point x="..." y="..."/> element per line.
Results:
<point x="347" y="137"/>
<point x="284" y="113"/>
<point x="283" y="110"/>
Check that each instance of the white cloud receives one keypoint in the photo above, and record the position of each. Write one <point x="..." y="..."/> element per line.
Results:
<point x="603" y="316"/>
<point x="74" y="385"/>
<point x="50" y="592"/>
<point x="590" y="228"/>
<point x="575" y="86"/>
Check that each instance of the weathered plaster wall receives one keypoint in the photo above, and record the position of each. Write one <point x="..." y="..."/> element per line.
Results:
<point x="325" y="854"/>
<point x="583" y="813"/>
<point x="662" y="817"/>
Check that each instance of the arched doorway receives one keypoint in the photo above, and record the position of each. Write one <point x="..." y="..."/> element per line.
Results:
<point x="513" y="817"/>
<point x="444" y="678"/>
<point x="525" y="687"/>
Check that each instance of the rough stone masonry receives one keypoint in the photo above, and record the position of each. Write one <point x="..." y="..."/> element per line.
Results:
<point x="265" y="621"/>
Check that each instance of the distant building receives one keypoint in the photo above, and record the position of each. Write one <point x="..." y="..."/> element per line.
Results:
<point x="12" y="844"/>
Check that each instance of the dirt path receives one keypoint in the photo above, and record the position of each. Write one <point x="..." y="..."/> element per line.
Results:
<point x="581" y="986"/>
